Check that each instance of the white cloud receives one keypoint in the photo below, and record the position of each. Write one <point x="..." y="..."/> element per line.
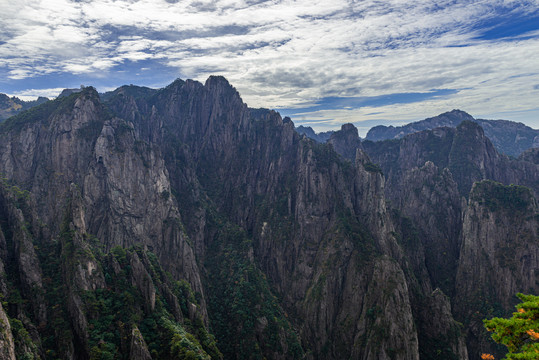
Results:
<point x="283" y="53"/>
<point x="32" y="94"/>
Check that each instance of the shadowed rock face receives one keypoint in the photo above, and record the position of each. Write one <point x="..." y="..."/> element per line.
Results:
<point x="346" y="141"/>
<point x="499" y="254"/>
<point x="195" y="213"/>
<point x="429" y="176"/>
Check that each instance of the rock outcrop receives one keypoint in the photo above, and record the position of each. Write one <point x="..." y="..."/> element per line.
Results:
<point x="346" y="141"/>
<point x="7" y="345"/>
<point x="308" y="131"/>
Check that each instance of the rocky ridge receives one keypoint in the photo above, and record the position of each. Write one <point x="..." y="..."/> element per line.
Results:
<point x="433" y="178"/>
<point x="179" y="214"/>
<point x="308" y="131"/>
<point x="508" y="137"/>
<point x="10" y="106"/>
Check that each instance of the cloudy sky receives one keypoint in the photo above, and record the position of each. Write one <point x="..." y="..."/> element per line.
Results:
<point x="322" y="62"/>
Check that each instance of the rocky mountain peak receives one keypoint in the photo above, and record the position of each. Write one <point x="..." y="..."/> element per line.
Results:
<point x="468" y="126"/>
<point x="457" y="114"/>
<point x="346" y="141"/>
<point x="349" y="129"/>
<point x="509" y="137"/>
<point x="220" y="82"/>
<point x="308" y="131"/>
<point x="67" y="92"/>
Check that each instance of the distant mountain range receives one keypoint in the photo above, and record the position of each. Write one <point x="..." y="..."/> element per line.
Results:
<point x="309" y="132"/>
<point x="508" y="137"/>
<point x="10" y="106"/>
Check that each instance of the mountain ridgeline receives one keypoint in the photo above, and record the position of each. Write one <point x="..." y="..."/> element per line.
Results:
<point x="10" y="106"/>
<point x="508" y="137"/>
<point x="180" y="224"/>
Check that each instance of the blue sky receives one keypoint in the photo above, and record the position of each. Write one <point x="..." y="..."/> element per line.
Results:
<point x="322" y="62"/>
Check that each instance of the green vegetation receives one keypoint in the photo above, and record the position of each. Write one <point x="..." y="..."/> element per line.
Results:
<point x="439" y="347"/>
<point x="350" y="228"/>
<point x="495" y="196"/>
<point x="325" y="155"/>
<point x="37" y="113"/>
<point x="25" y="348"/>
<point x="43" y="112"/>
<point x="17" y="306"/>
<point x="20" y="196"/>
<point x="118" y="308"/>
<point x="90" y="131"/>
<point x="113" y="309"/>
<point x="372" y="167"/>
<point x="246" y="317"/>
<point x="520" y="333"/>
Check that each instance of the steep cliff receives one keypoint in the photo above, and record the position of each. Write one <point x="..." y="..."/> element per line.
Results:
<point x="178" y="223"/>
<point x="346" y="141"/>
<point x="499" y="256"/>
<point x="428" y="175"/>
<point x="310" y="219"/>
<point x="77" y="162"/>
<point x="85" y="303"/>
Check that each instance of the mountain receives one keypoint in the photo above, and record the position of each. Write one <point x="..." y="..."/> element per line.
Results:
<point x="346" y="141"/>
<point x="10" y="106"/>
<point x="508" y="137"/>
<point x="308" y="131"/>
<point x="179" y="223"/>
<point x="458" y="192"/>
<point x="67" y="92"/>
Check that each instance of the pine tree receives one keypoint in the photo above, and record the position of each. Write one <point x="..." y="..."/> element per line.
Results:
<point x="520" y="333"/>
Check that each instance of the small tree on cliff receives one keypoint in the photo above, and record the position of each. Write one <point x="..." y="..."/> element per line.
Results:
<point x="520" y="333"/>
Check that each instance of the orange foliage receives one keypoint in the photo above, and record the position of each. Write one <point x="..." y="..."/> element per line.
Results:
<point x="487" y="357"/>
<point x="533" y="334"/>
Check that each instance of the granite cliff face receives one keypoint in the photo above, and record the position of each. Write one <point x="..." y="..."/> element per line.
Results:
<point x="438" y="179"/>
<point x="312" y="219"/>
<point x="179" y="223"/>
<point x="499" y="255"/>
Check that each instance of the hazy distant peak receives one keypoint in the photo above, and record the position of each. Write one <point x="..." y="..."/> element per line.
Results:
<point x="67" y="92"/>
<point x="509" y="137"/>
<point x="308" y="131"/>
<point x="10" y="106"/>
